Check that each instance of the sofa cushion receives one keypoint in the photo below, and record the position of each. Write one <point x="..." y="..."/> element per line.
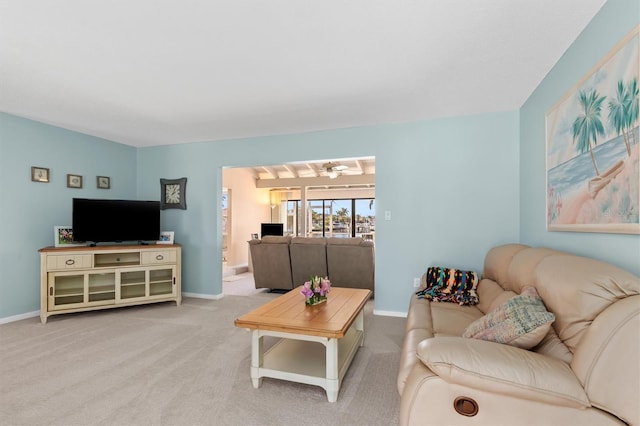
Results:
<point x="521" y="321"/>
<point x="441" y="319"/>
<point x="450" y="285"/>
<point x="449" y="319"/>
<point x="503" y="369"/>
<point x="497" y="261"/>
<point x="577" y="289"/>
<point x="491" y="295"/>
<point x="522" y="266"/>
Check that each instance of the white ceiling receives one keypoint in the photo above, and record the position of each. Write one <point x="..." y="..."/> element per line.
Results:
<point x="155" y="72"/>
<point x="347" y="172"/>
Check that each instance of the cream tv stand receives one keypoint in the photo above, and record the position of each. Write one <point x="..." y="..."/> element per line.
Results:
<point x="77" y="279"/>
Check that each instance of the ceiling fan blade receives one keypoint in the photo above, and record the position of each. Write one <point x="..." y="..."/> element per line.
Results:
<point x="331" y="165"/>
<point x="328" y="166"/>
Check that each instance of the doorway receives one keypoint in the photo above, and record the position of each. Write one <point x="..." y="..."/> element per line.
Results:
<point x="287" y="194"/>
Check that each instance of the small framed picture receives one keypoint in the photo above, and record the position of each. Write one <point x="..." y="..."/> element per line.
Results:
<point x="39" y="174"/>
<point x="74" y="181"/>
<point x="254" y="236"/>
<point x="63" y="237"/>
<point x="103" y="182"/>
<point x="166" y="237"/>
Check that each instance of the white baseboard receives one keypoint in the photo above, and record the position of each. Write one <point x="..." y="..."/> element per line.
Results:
<point x="19" y="317"/>
<point x="389" y="313"/>
<point x="203" y="296"/>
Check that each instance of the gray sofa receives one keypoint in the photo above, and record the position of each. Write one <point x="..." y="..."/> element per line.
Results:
<point x="285" y="262"/>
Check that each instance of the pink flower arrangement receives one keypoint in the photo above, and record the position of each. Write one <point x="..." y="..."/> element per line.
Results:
<point x="315" y="290"/>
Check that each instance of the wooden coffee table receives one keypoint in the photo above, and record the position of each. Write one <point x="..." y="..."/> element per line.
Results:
<point x="299" y="356"/>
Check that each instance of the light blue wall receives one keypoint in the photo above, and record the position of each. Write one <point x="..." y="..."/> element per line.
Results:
<point x="614" y="21"/>
<point x="455" y="187"/>
<point x="451" y="186"/>
<point x="30" y="210"/>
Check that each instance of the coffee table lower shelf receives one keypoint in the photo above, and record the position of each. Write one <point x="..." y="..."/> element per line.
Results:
<point x="301" y="358"/>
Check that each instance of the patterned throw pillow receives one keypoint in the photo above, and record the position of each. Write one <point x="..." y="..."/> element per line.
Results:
<point x="521" y="321"/>
<point x="450" y="285"/>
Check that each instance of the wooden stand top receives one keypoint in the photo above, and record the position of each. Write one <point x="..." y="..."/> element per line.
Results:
<point x="288" y="313"/>
<point x="109" y="247"/>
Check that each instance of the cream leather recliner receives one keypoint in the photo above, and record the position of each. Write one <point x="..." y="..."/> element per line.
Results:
<point x="586" y="371"/>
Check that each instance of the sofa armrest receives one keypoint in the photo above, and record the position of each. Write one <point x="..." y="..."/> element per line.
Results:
<point x="503" y="369"/>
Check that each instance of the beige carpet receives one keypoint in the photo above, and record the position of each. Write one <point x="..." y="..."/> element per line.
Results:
<point x="241" y="285"/>
<point x="166" y="365"/>
<point x="231" y="278"/>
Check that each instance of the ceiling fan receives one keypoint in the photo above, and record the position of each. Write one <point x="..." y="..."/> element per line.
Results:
<point x="333" y="170"/>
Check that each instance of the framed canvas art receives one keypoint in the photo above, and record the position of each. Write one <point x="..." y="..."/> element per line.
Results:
<point x="593" y="148"/>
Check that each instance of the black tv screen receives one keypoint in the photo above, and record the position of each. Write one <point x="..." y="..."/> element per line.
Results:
<point x="115" y="220"/>
<point x="271" y="229"/>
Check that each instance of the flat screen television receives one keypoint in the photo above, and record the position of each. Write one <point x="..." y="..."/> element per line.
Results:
<point x="100" y="221"/>
<point x="271" y="229"/>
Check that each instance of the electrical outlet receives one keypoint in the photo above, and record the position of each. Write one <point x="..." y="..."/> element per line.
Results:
<point x="416" y="282"/>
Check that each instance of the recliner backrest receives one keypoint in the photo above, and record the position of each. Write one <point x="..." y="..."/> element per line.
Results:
<point x="308" y="258"/>
<point x="597" y="309"/>
<point x="271" y="262"/>
<point x="350" y="262"/>
<point x="597" y="318"/>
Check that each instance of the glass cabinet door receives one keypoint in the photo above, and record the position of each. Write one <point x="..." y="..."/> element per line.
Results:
<point x="162" y="281"/>
<point x="132" y="284"/>
<point x="66" y="290"/>
<point x="102" y="288"/>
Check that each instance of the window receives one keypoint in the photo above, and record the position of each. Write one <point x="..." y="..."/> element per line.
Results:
<point x="341" y="218"/>
<point x="292" y="225"/>
<point x="365" y="218"/>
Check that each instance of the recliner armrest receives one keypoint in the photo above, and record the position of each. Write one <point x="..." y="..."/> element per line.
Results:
<point x="503" y="369"/>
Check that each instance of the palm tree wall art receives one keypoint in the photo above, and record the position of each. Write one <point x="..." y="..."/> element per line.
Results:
<point x="593" y="148"/>
<point x="588" y="125"/>
<point x="619" y="109"/>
